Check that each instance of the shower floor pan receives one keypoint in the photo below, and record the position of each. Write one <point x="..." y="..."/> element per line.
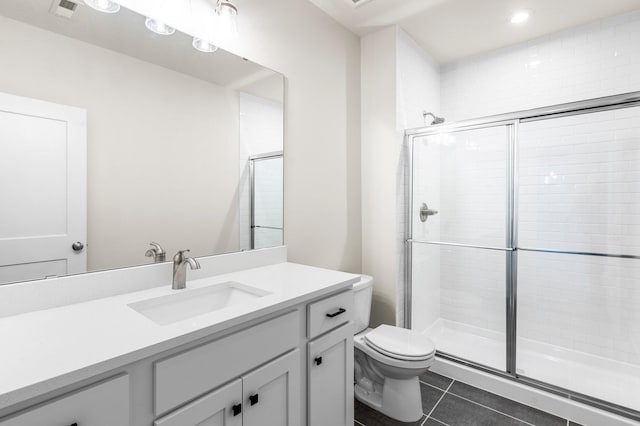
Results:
<point x="598" y="377"/>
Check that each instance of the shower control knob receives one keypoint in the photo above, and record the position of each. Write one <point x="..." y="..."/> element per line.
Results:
<point x="425" y="212"/>
<point x="77" y="246"/>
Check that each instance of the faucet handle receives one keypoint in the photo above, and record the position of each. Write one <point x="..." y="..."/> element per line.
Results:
<point x="157" y="252"/>
<point x="180" y="255"/>
<point x="157" y="247"/>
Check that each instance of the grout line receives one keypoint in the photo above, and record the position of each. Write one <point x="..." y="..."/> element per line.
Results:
<point x="436" y="387"/>
<point x="492" y="409"/>
<point x="436" y="420"/>
<point x="358" y="422"/>
<point x="441" y="396"/>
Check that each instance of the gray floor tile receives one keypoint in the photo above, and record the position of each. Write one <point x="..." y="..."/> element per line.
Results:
<point x="456" y="411"/>
<point x="430" y="397"/>
<point x="433" y="422"/>
<point x="370" y="417"/>
<point x="507" y="406"/>
<point x="435" y="379"/>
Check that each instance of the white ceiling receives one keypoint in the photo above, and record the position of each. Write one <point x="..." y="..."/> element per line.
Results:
<point x="454" y="29"/>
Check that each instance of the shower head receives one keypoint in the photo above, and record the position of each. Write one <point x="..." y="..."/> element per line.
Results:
<point x="436" y="120"/>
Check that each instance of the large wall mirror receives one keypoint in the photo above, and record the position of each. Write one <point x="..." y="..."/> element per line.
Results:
<point x="113" y="137"/>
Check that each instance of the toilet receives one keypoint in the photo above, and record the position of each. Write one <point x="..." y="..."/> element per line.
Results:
<point x="388" y="361"/>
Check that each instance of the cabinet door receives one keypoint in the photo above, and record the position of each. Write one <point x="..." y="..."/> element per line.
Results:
<point x="221" y="407"/>
<point x="271" y="394"/>
<point x="330" y="380"/>
<point x="105" y="404"/>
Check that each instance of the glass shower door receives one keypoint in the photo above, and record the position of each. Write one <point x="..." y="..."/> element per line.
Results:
<point x="460" y="246"/>
<point x="579" y="254"/>
<point x="266" y="201"/>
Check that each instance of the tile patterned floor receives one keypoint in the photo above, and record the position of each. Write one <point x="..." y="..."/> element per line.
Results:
<point x="451" y="403"/>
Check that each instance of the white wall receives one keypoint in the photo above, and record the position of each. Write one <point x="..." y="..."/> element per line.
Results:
<point x="399" y="82"/>
<point x="380" y="155"/>
<point x="162" y="146"/>
<point x="320" y="60"/>
<point x="593" y="60"/>
<point x="260" y="133"/>
<point x="418" y="90"/>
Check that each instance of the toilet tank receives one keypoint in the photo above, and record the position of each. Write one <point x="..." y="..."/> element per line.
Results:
<point x="362" y="293"/>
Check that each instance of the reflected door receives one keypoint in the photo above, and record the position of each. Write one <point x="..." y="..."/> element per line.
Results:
<point x="460" y="245"/>
<point x="266" y="201"/>
<point x="43" y="183"/>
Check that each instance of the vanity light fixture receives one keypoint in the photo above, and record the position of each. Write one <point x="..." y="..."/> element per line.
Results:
<point x="203" y="45"/>
<point x="520" y="17"/>
<point x="227" y="17"/>
<point x="159" y="27"/>
<point x="106" y="6"/>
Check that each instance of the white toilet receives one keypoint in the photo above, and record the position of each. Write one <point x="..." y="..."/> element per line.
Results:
<point x="388" y="361"/>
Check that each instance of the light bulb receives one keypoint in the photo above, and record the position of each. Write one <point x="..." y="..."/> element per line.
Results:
<point x="203" y="46"/>
<point x="106" y="6"/>
<point x="159" y="27"/>
<point x="227" y="19"/>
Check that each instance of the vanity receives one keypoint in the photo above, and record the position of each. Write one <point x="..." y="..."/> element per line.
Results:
<point x="252" y="340"/>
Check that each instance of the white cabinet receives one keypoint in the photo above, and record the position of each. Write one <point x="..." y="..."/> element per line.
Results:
<point x="222" y="407"/>
<point x="330" y="378"/>
<point x="267" y="396"/>
<point x="271" y="394"/>
<point x="329" y="313"/>
<point x="105" y="404"/>
<point x="185" y="376"/>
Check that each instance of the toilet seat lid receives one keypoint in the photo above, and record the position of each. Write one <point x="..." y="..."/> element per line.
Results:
<point x="400" y="343"/>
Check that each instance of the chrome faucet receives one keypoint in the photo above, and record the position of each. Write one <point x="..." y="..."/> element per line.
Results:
<point x="180" y="262"/>
<point x="157" y="252"/>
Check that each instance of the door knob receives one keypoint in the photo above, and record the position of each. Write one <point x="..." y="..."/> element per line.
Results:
<point x="77" y="246"/>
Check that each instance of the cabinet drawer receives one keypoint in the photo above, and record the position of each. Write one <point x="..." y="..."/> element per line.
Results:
<point x="105" y="404"/>
<point x="195" y="372"/>
<point x="329" y="313"/>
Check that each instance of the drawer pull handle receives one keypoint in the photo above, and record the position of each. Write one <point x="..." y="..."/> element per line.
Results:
<point x="336" y="313"/>
<point x="253" y="399"/>
<point x="318" y="360"/>
<point x="237" y="409"/>
<point x="74" y="424"/>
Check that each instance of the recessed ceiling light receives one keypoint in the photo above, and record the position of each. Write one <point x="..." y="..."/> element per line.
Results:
<point x="203" y="46"/>
<point x="520" y="17"/>
<point x="106" y="6"/>
<point x="159" y="27"/>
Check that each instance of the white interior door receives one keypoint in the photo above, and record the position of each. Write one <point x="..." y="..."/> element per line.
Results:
<point x="43" y="168"/>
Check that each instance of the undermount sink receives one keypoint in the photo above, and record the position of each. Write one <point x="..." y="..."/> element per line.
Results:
<point x="189" y="303"/>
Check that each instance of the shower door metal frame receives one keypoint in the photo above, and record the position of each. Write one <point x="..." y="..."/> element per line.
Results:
<point x="511" y="121"/>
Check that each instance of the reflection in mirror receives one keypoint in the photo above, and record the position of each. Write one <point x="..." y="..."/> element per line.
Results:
<point x="113" y="137"/>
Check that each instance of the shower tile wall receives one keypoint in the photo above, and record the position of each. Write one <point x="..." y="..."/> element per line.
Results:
<point x="598" y="59"/>
<point x="418" y="89"/>
<point x="462" y="175"/>
<point x="580" y="191"/>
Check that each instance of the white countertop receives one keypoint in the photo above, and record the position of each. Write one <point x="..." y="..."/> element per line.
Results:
<point x="47" y="349"/>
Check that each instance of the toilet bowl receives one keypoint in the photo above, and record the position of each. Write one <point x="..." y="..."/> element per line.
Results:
<point x="388" y="361"/>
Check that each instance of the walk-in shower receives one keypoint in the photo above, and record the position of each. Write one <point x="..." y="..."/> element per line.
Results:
<point x="531" y="267"/>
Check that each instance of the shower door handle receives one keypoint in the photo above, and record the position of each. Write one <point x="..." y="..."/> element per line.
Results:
<point x="425" y="212"/>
